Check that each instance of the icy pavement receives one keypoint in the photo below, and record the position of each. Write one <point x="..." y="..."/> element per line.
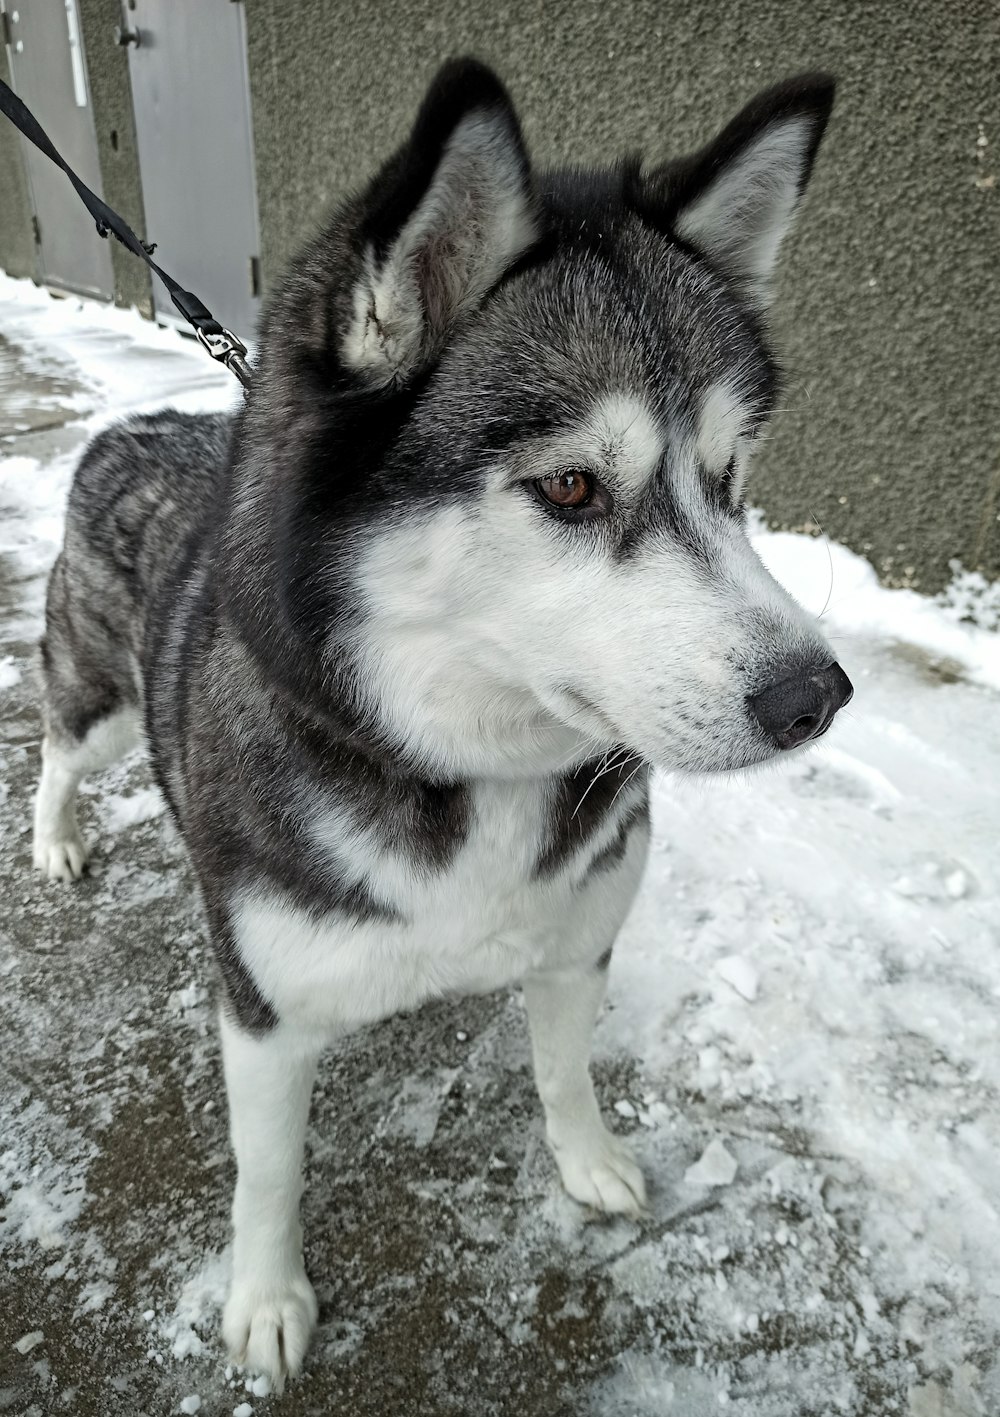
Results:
<point x="801" y="1039"/>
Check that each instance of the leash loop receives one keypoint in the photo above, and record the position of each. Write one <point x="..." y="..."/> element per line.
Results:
<point x="221" y="344"/>
<point x="231" y="351"/>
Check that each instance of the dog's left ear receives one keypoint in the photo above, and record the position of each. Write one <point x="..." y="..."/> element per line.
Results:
<point x="735" y="200"/>
<point x="441" y="222"/>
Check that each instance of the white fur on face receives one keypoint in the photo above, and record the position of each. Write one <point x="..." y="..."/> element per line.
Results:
<point x="721" y="420"/>
<point x="722" y="433"/>
<point x="499" y="640"/>
<point x="473" y="221"/>
<point x="743" y="216"/>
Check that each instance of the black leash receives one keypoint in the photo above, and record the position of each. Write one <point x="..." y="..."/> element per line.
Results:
<point x="221" y="344"/>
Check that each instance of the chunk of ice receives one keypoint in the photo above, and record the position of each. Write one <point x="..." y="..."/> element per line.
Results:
<point x="715" y="1167"/>
<point x="739" y="974"/>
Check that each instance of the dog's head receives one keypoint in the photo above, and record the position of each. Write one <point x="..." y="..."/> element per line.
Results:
<point x="511" y="418"/>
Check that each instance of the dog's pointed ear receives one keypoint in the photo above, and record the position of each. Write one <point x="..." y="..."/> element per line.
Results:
<point x="440" y="224"/>
<point x="735" y="200"/>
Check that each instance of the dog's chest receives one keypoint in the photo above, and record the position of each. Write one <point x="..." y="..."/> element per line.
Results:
<point x="486" y="917"/>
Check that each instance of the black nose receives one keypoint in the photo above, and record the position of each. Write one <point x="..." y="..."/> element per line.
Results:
<point x="802" y="707"/>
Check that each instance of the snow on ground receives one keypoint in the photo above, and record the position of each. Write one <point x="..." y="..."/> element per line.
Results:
<point x="801" y="1039"/>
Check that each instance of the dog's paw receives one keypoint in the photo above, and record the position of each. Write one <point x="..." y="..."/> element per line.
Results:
<point x="600" y="1172"/>
<point x="60" y="858"/>
<point x="267" y="1327"/>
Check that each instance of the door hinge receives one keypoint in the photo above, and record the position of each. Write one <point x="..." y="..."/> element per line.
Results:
<point x="255" y="275"/>
<point x="5" y="29"/>
<point x="36" y="231"/>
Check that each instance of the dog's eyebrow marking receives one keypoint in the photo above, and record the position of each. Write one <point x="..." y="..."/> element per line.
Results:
<point x="721" y="419"/>
<point x="623" y="436"/>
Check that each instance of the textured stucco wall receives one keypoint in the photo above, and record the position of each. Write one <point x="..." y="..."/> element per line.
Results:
<point x="17" y="243"/>
<point x="111" y="95"/>
<point x="888" y="311"/>
<point x="888" y="307"/>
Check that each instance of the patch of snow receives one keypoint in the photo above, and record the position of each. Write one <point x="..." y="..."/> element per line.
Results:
<point x="41" y="1201"/>
<point x="94" y="1296"/>
<point x="126" y="363"/>
<point x="858" y="604"/>
<point x="971" y="598"/>
<point x="122" y="810"/>
<point x="30" y="1341"/>
<point x="10" y="672"/>
<point x="191" y="1326"/>
<point x="190" y="997"/>
<point x="715" y="1167"/>
<point x="740" y="974"/>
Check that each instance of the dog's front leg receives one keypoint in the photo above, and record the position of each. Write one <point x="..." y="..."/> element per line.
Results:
<point x="596" y="1166"/>
<point x="271" y="1309"/>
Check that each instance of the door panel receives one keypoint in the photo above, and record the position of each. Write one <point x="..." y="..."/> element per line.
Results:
<point x="49" y="73"/>
<point x="191" y="94"/>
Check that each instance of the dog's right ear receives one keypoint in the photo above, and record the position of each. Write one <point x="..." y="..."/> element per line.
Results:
<point x="439" y="225"/>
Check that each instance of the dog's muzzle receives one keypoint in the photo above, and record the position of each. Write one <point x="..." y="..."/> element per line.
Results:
<point x="801" y="708"/>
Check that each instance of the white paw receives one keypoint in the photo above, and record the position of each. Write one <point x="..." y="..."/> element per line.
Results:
<point x="266" y="1327"/>
<point x="598" y="1171"/>
<point x="61" y="859"/>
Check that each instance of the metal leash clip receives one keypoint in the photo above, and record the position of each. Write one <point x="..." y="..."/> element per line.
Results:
<point x="230" y="351"/>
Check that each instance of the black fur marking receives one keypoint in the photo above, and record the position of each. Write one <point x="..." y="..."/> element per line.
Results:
<point x="248" y="1005"/>
<point x="614" y="852"/>
<point x="424" y="821"/>
<point x="581" y="803"/>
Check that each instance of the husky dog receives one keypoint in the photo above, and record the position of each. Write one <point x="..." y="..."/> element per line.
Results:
<point x="406" y="636"/>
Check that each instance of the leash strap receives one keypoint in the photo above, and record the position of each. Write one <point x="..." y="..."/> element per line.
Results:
<point x="221" y="344"/>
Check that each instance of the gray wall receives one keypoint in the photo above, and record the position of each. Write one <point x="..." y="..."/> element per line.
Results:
<point x="888" y="312"/>
<point x="888" y="306"/>
<point x="111" y="96"/>
<point x="17" y="242"/>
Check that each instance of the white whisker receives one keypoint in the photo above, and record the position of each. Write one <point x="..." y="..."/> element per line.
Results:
<point x="625" y="784"/>
<point x="606" y="768"/>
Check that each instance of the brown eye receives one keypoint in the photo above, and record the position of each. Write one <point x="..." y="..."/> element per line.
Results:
<point x="566" y="489"/>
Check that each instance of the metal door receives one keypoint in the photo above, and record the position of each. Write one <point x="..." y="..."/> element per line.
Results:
<point x="50" y="73"/>
<point x="191" y="94"/>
